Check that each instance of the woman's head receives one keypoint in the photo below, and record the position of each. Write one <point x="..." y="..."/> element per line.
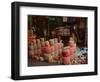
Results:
<point x="71" y="41"/>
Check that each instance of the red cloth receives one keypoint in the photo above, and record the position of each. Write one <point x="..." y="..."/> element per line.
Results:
<point x="66" y="53"/>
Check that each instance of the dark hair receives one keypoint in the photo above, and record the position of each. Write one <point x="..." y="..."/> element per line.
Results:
<point x="71" y="37"/>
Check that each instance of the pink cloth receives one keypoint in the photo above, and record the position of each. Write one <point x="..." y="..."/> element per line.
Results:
<point x="67" y="60"/>
<point x="47" y="50"/>
<point x="67" y="54"/>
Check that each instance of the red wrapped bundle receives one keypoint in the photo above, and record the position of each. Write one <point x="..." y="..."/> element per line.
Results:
<point x="47" y="50"/>
<point x="66" y="53"/>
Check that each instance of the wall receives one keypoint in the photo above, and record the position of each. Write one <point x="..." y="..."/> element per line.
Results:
<point x="5" y="40"/>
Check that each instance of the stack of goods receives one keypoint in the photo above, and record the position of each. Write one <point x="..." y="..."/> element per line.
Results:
<point x="68" y="52"/>
<point x="38" y="50"/>
<point x="47" y="52"/>
<point x="31" y="42"/>
<point x="52" y="51"/>
<point x="82" y="56"/>
<point x="41" y="50"/>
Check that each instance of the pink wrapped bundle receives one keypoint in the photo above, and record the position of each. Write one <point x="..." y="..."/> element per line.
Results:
<point x="38" y="41"/>
<point x="52" y="48"/>
<point x="34" y="41"/>
<point x="56" y="46"/>
<point x="47" y="44"/>
<point x="66" y="53"/>
<point x="47" y="50"/>
<point x="66" y="60"/>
